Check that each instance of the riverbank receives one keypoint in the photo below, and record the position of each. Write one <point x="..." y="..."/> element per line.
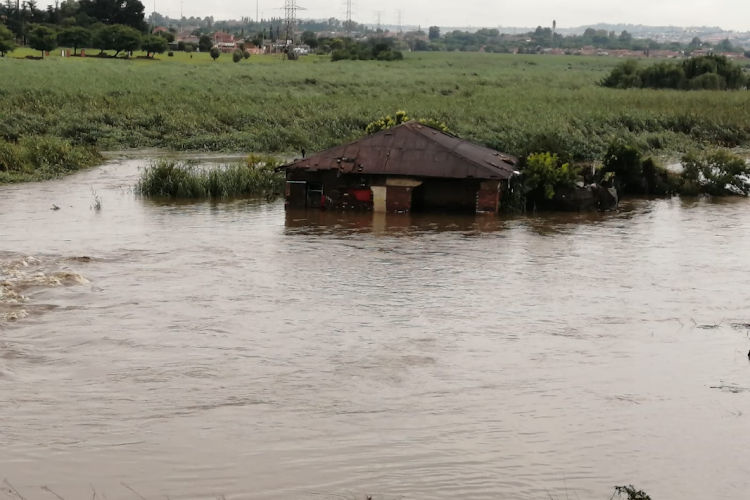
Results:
<point x="516" y="104"/>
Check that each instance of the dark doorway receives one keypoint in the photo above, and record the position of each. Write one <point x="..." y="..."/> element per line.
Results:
<point x="445" y="195"/>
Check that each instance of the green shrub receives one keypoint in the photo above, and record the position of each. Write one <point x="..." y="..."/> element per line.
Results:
<point x="543" y="174"/>
<point x="237" y="56"/>
<point x="215" y="53"/>
<point x="170" y="54"/>
<point x="624" y="160"/>
<point x="717" y="173"/>
<point x="246" y="54"/>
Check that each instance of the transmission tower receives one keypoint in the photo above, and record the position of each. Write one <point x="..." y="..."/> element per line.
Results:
<point x="400" y="14"/>
<point x="378" y="17"/>
<point x="348" y="26"/>
<point x="290" y="21"/>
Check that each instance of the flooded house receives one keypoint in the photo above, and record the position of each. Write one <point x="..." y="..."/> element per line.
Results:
<point x="407" y="168"/>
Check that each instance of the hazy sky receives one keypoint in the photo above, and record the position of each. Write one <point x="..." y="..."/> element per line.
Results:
<point x="729" y="14"/>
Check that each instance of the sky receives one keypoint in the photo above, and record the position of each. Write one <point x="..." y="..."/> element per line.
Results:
<point x="729" y="14"/>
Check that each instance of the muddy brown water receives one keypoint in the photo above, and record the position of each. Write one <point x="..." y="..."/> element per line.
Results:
<point x="205" y="349"/>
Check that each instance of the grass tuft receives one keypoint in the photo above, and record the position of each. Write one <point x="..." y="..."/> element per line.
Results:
<point x="166" y="178"/>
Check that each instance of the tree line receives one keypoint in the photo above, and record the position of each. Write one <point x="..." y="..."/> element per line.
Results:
<point x="491" y="40"/>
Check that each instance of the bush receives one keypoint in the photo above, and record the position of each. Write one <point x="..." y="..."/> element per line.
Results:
<point x="708" y="81"/>
<point x="624" y="76"/>
<point x="236" y="56"/>
<point x="544" y="173"/>
<point x="246" y="54"/>
<point x="717" y="173"/>
<point x="215" y="53"/>
<point x="170" y="54"/>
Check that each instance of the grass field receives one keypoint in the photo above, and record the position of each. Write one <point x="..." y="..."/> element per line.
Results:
<point x="514" y="103"/>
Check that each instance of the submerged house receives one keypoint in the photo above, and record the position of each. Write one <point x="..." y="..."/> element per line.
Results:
<point x="410" y="167"/>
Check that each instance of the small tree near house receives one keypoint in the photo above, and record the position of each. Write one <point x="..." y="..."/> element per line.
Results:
<point x="43" y="39"/>
<point x="215" y="53"/>
<point x="152" y="44"/>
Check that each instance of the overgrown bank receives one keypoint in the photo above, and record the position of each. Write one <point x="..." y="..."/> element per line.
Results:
<point x="42" y="158"/>
<point x="517" y="104"/>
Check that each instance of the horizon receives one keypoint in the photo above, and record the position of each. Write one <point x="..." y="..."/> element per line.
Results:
<point x="730" y="15"/>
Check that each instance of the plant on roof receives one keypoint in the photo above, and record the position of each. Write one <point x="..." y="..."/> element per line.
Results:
<point x="400" y="117"/>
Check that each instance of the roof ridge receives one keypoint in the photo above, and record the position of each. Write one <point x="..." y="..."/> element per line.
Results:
<point x="481" y="165"/>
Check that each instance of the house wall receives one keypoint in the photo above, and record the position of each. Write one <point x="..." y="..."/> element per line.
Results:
<point x="391" y="194"/>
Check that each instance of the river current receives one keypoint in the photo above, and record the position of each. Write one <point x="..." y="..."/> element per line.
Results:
<point x="198" y="350"/>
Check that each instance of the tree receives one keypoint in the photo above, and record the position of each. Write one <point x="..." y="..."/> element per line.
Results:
<point x="126" y="12"/>
<point x="625" y="37"/>
<point x="43" y="39"/>
<point x="434" y="32"/>
<point x="168" y="36"/>
<point x="246" y="54"/>
<point x="236" y="55"/>
<point x="215" y="53"/>
<point x="189" y="49"/>
<point x="76" y="37"/>
<point x="205" y="43"/>
<point x="7" y="41"/>
<point x="118" y="38"/>
<point x="725" y="46"/>
<point x="152" y="44"/>
<point x="589" y="33"/>
<point x="181" y="46"/>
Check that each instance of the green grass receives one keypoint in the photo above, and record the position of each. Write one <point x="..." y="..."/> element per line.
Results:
<point x="514" y="103"/>
<point x="172" y="179"/>
<point x="42" y="158"/>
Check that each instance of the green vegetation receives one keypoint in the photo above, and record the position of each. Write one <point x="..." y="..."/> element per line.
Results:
<point x="75" y="37"/>
<point x="516" y="104"/>
<point x="43" y="39"/>
<point x="117" y="37"/>
<point x="41" y="158"/>
<point x="7" y="41"/>
<point x="716" y="173"/>
<point x="172" y="179"/>
<point x="400" y="117"/>
<point x="543" y="173"/>
<point x="236" y="55"/>
<point x="375" y="49"/>
<point x="215" y="53"/>
<point x="709" y="72"/>
<point x="152" y="44"/>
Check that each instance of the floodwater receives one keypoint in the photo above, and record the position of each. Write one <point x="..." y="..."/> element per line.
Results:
<point x="194" y="350"/>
